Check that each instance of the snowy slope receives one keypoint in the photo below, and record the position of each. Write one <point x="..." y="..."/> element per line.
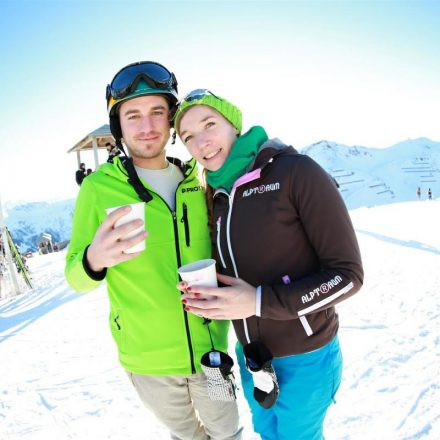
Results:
<point x="59" y="376"/>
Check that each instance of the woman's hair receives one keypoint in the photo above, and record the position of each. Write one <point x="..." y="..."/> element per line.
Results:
<point x="209" y="193"/>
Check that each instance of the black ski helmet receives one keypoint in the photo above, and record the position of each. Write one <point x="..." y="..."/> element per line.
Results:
<point x="139" y="79"/>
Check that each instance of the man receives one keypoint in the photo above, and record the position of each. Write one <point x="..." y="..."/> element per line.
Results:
<point x="112" y="151"/>
<point x="80" y="174"/>
<point x="159" y="344"/>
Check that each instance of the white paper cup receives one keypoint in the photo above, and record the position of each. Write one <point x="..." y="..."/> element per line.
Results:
<point x="201" y="273"/>
<point x="137" y="212"/>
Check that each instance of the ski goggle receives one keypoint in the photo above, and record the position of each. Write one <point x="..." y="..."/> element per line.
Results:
<point x="154" y="74"/>
<point x="197" y="94"/>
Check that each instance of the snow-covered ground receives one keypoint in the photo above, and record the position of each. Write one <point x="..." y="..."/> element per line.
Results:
<point x="60" y="379"/>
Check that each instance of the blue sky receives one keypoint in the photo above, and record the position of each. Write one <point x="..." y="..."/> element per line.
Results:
<point x="354" y="72"/>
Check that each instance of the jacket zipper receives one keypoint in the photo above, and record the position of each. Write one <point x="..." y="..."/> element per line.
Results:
<point x="185" y="314"/>
<point x="228" y="240"/>
<point x="219" y="221"/>
<point x="184" y="220"/>
<point x="179" y="263"/>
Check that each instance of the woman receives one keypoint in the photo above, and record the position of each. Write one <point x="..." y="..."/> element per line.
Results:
<point x="287" y="252"/>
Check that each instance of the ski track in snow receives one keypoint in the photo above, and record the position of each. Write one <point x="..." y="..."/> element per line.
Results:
<point x="60" y="378"/>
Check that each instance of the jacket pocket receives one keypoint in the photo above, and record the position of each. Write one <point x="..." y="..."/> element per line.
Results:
<point x="185" y="222"/>
<point x="303" y="320"/>
<point x="117" y="328"/>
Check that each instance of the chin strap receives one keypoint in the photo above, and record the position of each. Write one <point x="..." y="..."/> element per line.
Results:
<point x="120" y="147"/>
<point x="133" y="179"/>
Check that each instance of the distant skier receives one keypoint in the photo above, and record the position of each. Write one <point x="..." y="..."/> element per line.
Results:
<point x="419" y="192"/>
<point x="429" y="194"/>
<point x="80" y="174"/>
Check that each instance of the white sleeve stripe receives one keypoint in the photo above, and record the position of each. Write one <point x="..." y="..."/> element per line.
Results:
<point x="306" y="325"/>
<point x="326" y="300"/>
<point x="258" y="302"/>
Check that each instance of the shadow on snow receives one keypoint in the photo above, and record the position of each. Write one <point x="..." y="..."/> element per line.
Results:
<point x="25" y="309"/>
<point x="411" y="243"/>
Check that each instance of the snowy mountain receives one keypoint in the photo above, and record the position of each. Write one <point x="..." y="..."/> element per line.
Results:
<point x="61" y="380"/>
<point x="366" y="176"/>
<point x="371" y="176"/>
<point x="27" y="221"/>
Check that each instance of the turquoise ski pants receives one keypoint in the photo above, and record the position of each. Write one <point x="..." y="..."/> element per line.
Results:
<point x="308" y="383"/>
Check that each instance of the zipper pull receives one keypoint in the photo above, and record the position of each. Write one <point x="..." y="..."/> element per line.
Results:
<point x="184" y="220"/>
<point x="185" y="213"/>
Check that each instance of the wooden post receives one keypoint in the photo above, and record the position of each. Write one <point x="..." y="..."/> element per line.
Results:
<point x="95" y="152"/>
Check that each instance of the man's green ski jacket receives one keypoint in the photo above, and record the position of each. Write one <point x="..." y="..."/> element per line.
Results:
<point x="153" y="333"/>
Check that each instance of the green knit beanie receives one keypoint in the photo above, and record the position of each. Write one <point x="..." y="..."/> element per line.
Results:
<point x="205" y="97"/>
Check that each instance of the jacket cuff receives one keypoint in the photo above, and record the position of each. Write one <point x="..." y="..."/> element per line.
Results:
<point x="258" y="302"/>
<point x="96" y="276"/>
